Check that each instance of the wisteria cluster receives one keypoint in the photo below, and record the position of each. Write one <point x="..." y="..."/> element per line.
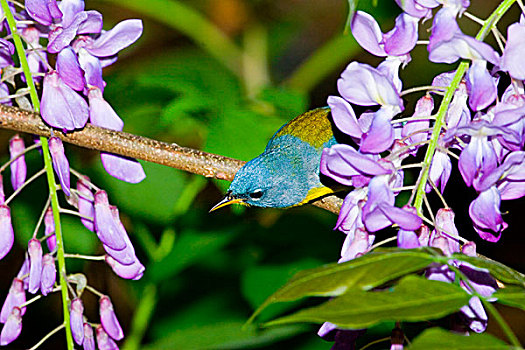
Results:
<point x="483" y="130"/>
<point x="72" y="93"/>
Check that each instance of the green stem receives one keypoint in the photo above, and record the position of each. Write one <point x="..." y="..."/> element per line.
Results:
<point x="48" y="166"/>
<point x="184" y="18"/>
<point x="447" y="99"/>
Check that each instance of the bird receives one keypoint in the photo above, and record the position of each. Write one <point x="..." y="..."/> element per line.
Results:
<point x="286" y="174"/>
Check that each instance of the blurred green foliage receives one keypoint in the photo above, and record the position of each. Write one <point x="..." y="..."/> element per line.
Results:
<point x="184" y="82"/>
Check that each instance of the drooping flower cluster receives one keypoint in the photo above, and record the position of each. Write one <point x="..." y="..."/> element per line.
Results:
<point x="72" y="93"/>
<point x="488" y="131"/>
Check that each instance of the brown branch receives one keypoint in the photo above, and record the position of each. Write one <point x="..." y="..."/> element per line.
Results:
<point x="134" y="146"/>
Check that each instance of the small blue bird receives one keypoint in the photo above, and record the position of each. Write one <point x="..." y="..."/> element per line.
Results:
<point x="286" y="174"/>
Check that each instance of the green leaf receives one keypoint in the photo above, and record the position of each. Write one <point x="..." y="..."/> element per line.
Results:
<point x="366" y="272"/>
<point x="189" y="249"/>
<point x="512" y="296"/>
<point x="439" y="339"/>
<point x="413" y="299"/>
<point x="497" y="269"/>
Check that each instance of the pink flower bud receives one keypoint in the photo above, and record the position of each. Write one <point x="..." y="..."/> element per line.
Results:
<point x="12" y="327"/>
<point x="76" y="320"/>
<point x="104" y="341"/>
<point x="7" y="235"/>
<point x="133" y="271"/>
<point x="89" y="339"/>
<point x="85" y="203"/>
<point x="15" y="298"/>
<point x="49" y="229"/>
<point x="35" y="265"/>
<point x="18" y="167"/>
<point x="109" y="319"/>
<point x="49" y="274"/>
<point x="60" y="163"/>
<point x="2" y="195"/>
<point x="106" y="227"/>
<point x="127" y="255"/>
<point x="24" y="272"/>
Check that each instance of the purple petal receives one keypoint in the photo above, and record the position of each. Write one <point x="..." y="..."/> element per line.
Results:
<point x="62" y="107"/>
<point x="109" y="319"/>
<point x="76" y="320"/>
<point x="445" y="227"/>
<point x="444" y="27"/>
<point x="477" y="317"/>
<point x="367" y="33"/>
<point x="18" y="167"/>
<point x="407" y="239"/>
<point x="92" y="68"/>
<point x="123" y="168"/>
<point x="462" y="46"/>
<point x="60" y="163"/>
<point x="49" y="229"/>
<point x="61" y="37"/>
<point x="89" y="339"/>
<point x="104" y="341"/>
<point x="366" y="86"/>
<point x="35" y="265"/>
<point x="486" y="216"/>
<point x="69" y="9"/>
<point x="350" y="213"/>
<point x="12" y="327"/>
<point x="15" y="298"/>
<point x="121" y="36"/>
<point x="359" y="245"/>
<point x="127" y="255"/>
<point x="440" y="170"/>
<point x="69" y="69"/>
<point x="380" y="136"/>
<point x="101" y="113"/>
<point x="85" y="203"/>
<point x="512" y="60"/>
<point x="479" y="279"/>
<point x="43" y="11"/>
<point x="402" y="38"/>
<point x="344" y="116"/>
<point x="49" y="274"/>
<point x="7" y="235"/>
<point x="413" y="8"/>
<point x="107" y="229"/>
<point x="7" y="49"/>
<point x="92" y="24"/>
<point x="475" y="156"/>
<point x="133" y="271"/>
<point x="424" y="107"/>
<point x="481" y="86"/>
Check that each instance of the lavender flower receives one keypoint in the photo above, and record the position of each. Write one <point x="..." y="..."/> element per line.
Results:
<point x="133" y="271"/>
<point x="49" y="229"/>
<point x="15" y="298"/>
<point x="89" y="339"/>
<point x="104" y="341"/>
<point x="486" y="216"/>
<point x="107" y="229"/>
<point x="7" y="235"/>
<point x="35" y="265"/>
<point x="49" y="274"/>
<point x="76" y="320"/>
<point x="18" y="166"/>
<point x="60" y="163"/>
<point x="109" y="319"/>
<point x="12" y="327"/>
<point x="86" y="207"/>
<point x="512" y="58"/>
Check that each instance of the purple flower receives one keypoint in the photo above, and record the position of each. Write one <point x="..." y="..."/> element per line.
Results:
<point x="104" y="341"/>
<point x="35" y="265"/>
<point x="439" y="172"/>
<point x="415" y="8"/>
<point x="358" y="245"/>
<point x="82" y="22"/>
<point x="18" y="166"/>
<point x="133" y="271"/>
<point x="7" y="49"/>
<point x="486" y="216"/>
<point x="43" y="11"/>
<point x="69" y="69"/>
<point x="417" y="130"/>
<point x="444" y="223"/>
<point x="62" y="107"/>
<point x="119" y="37"/>
<point x="124" y="256"/>
<point x="36" y="58"/>
<point x="23" y="274"/>
<point x="109" y="319"/>
<point x="509" y="177"/>
<point x="512" y="58"/>
<point x="407" y="239"/>
<point x="76" y="320"/>
<point x="15" y="298"/>
<point x="60" y="163"/>
<point x="107" y="229"/>
<point x="49" y="274"/>
<point x="481" y="86"/>
<point x="49" y="229"/>
<point x="350" y="214"/>
<point x="379" y="211"/>
<point x="344" y="117"/>
<point x="7" y="235"/>
<point x="89" y="339"/>
<point x="86" y="207"/>
<point x="12" y="327"/>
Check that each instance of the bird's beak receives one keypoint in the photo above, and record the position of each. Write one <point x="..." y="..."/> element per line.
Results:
<point x="227" y="200"/>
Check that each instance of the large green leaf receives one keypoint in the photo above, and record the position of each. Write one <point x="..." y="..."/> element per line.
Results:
<point x="439" y="339"/>
<point x="413" y="299"/>
<point x="369" y="271"/>
<point x="497" y="269"/>
<point x="512" y="296"/>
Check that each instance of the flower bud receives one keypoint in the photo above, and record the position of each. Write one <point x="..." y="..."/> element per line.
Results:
<point x="24" y="272"/>
<point x="35" y="265"/>
<point x="106" y="227"/>
<point x="85" y="203"/>
<point x="12" y="327"/>
<point x="109" y="319"/>
<point x="60" y="163"/>
<point x="133" y="271"/>
<point x="7" y="235"/>
<point x="49" y="229"/>
<point x="127" y="255"/>
<point x="104" y="341"/>
<point x="76" y="320"/>
<point x="49" y="274"/>
<point x="89" y="339"/>
<point x="15" y="298"/>
<point x="2" y="195"/>
<point x="18" y="167"/>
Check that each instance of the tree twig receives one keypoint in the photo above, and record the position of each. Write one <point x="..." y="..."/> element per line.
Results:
<point x="135" y="146"/>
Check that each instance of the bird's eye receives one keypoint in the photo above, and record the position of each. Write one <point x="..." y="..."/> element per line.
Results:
<point x="257" y="194"/>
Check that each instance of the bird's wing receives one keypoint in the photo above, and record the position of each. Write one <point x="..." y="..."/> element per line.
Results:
<point x="313" y="127"/>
